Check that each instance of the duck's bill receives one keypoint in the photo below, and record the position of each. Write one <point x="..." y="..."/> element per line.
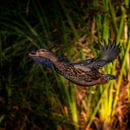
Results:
<point x="32" y="54"/>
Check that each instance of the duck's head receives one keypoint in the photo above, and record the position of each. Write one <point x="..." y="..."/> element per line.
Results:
<point x="43" y="53"/>
<point x="39" y="53"/>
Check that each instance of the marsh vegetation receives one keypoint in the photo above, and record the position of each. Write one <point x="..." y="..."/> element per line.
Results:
<point x="35" y="97"/>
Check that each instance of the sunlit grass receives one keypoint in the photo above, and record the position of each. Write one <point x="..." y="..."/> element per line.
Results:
<point x="45" y="95"/>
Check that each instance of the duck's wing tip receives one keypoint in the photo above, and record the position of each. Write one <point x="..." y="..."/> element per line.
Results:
<point x="110" y="52"/>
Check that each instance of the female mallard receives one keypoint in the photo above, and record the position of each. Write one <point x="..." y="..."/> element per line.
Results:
<point x="84" y="73"/>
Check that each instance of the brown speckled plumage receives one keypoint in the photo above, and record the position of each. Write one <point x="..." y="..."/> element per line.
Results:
<point x="84" y="73"/>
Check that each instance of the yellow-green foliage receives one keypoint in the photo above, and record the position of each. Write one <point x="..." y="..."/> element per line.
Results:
<point x="33" y="95"/>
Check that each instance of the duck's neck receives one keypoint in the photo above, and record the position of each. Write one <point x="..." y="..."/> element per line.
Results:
<point x="51" y="57"/>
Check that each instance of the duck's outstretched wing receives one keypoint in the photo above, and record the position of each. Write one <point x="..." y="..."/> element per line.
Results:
<point x="107" y="55"/>
<point x="83" y="65"/>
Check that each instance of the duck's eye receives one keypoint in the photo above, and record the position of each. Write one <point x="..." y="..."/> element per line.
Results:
<point x="43" y="50"/>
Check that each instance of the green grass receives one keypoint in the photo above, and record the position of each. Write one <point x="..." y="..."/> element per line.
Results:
<point x="33" y="95"/>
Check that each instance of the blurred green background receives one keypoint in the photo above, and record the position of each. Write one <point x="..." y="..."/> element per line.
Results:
<point x="33" y="97"/>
